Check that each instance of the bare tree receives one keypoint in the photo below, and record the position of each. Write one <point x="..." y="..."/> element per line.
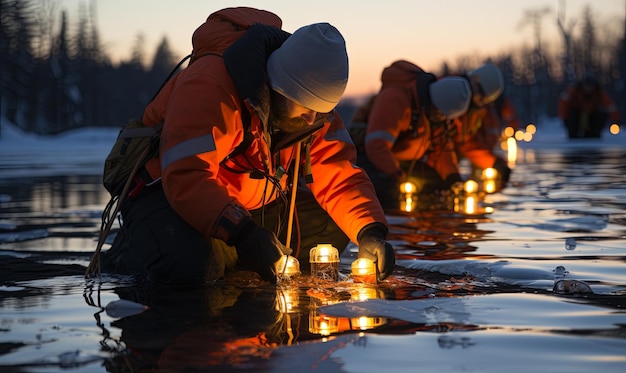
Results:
<point x="566" y="33"/>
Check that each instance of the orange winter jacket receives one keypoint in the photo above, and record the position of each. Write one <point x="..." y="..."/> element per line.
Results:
<point x="471" y="140"/>
<point x="575" y="99"/>
<point x="398" y="126"/>
<point x="206" y="110"/>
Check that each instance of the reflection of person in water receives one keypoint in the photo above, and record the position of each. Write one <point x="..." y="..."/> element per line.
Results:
<point x="187" y="328"/>
<point x="221" y="326"/>
<point x="585" y="108"/>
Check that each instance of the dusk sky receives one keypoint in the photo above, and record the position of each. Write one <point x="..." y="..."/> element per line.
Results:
<point x="376" y="32"/>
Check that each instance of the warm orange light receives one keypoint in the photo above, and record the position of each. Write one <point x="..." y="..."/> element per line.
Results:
<point x="408" y="204"/>
<point x="519" y="135"/>
<point x="489" y="173"/>
<point x="511" y="145"/>
<point x="286" y="267"/>
<point x="287" y="300"/>
<point x="408" y="187"/>
<point x="364" y="322"/>
<point x="490" y="186"/>
<point x="614" y="129"/>
<point x="324" y="259"/>
<point x="531" y="128"/>
<point x="470" y="204"/>
<point x="364" y="271"/>
<point x="365" y="292"/>
<point x="509" y="131"/>
<point x="322" y="324"/>
<point x="528" y="137"/>
<point x="471" y="186"/>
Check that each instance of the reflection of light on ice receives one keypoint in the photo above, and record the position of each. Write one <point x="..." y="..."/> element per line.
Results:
<point x="470" y="204"/>
<point x="287" y="300"/>
<point x="511" y="148"/>
<point x="490" y="186"/>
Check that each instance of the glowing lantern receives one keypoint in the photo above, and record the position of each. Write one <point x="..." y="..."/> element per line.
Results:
<point x="286" y="267"/>
<point x="364" y="271"/>
<point x="470" y="186"/>
<point x="324" y="259"/>
<point x="489" y="179"/>
<point x="408" y="188"/>
<point x="489" y="173"/>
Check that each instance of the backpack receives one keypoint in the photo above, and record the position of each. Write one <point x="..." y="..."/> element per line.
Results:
<point x="135" y="144"/>
<point x="398" y="74"/>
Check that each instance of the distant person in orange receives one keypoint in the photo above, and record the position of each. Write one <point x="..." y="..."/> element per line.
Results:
<point x="585" y="107"/>
<point x="478" y="130"/>
<point x="398" y="130"/>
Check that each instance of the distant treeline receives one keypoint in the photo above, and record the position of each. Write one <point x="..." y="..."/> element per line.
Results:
<point x="54" y="79"/>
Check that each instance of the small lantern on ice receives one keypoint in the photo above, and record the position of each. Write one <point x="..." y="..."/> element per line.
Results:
<point x="489" y="179"/>
<point x="408" y="198"/>
<point x="408" y="188"/>
<point x="324" y="259"/>
<point x="364" y="271"/>
<point x="287" y="267"/>
<point x="471" y="187"/>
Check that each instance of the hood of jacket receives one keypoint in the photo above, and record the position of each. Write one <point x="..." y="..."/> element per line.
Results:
<point x="400" y="73"/>
<point x="225" y="26"/>
<point x="246" y="61"/>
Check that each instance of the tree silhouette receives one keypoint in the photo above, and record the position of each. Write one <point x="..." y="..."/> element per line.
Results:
<point x="54" y="80"/>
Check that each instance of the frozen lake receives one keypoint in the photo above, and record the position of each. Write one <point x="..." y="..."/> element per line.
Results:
<point x="533" y="279"/>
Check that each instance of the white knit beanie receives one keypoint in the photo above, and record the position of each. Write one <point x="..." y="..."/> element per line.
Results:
<point x="451" y="95"/>
<point x="490" y="79"/>
<point x="311" y="67"/>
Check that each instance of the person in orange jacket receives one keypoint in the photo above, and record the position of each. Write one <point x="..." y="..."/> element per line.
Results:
<point x="400" y="131"/>
<point x="250" y="83"/>
<point x="476" y="129"/>
<point x="585" y="107"/>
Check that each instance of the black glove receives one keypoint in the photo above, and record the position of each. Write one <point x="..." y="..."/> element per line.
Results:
<point x="373" y="246"/>
<point x="258" y="249"/>
<point x="503" y="170"/>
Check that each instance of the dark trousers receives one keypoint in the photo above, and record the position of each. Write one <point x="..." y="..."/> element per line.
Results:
<point x="585" y="125"/>
<point x="155" y="243"/>
<point x="388" y="189"/>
